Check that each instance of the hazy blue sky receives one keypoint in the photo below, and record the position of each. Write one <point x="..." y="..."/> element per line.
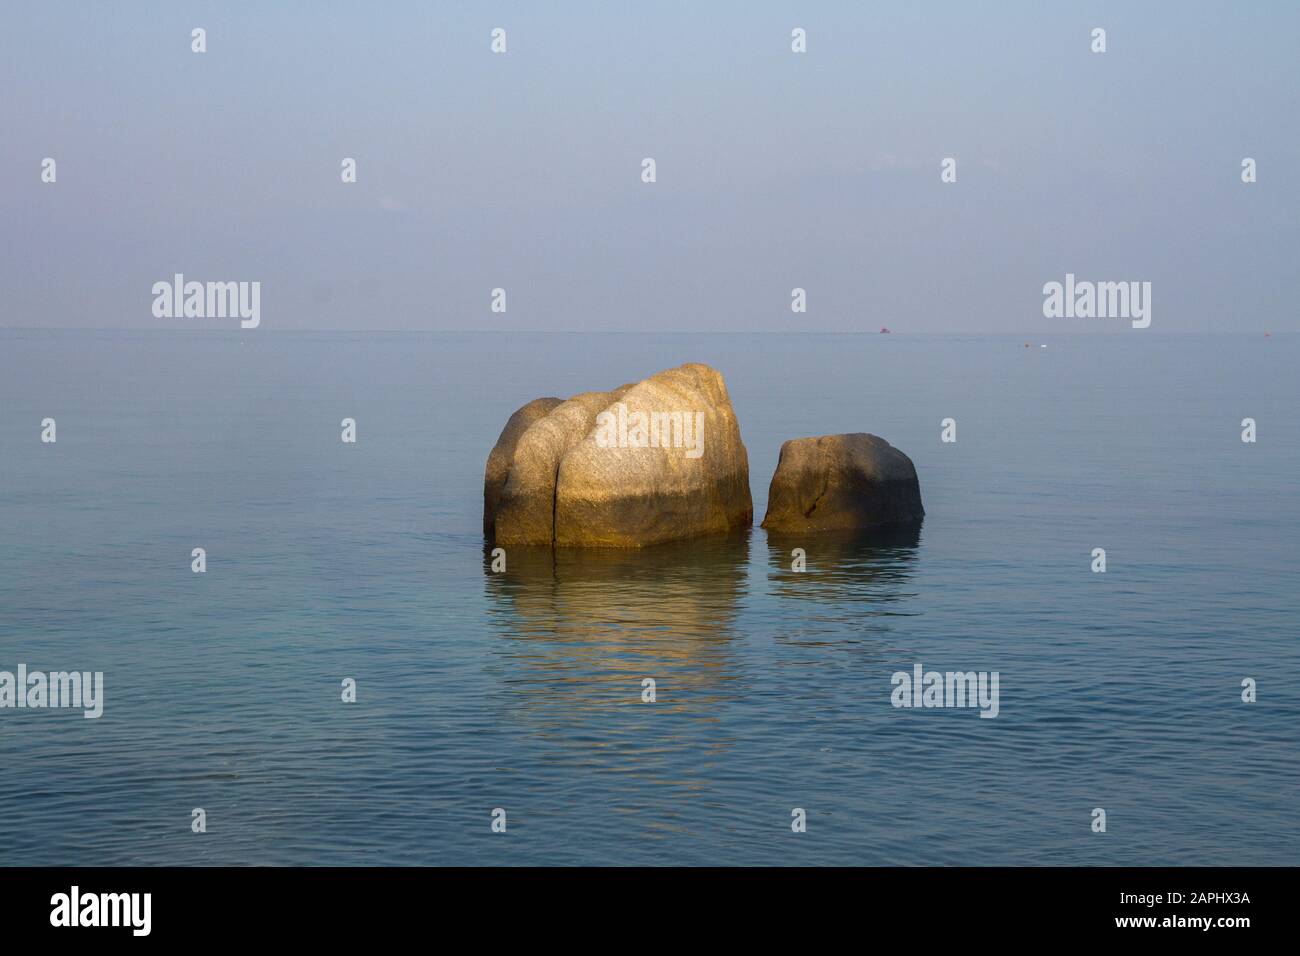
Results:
<point x="775" y="170"/>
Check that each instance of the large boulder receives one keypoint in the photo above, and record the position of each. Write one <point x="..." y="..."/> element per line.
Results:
<point x="841" y="482"/>
<point x="657" y="461"/>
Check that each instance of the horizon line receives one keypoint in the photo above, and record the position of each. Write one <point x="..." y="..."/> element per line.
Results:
<point x="211" y="330"/>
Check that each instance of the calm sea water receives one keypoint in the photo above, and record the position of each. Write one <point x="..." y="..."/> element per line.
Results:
<point x="522" y="691"/>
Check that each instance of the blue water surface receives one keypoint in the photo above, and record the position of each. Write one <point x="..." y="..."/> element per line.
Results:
<point x="522" y="691"/>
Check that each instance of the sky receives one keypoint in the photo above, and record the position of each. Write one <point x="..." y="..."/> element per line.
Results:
<point x="775" y="170"/>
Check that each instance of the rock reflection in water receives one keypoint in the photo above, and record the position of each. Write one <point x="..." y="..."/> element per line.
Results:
<point x="852" y="577"/>
<point x="585" y="626"/>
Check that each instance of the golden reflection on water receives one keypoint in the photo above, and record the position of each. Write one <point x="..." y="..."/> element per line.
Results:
<point x="598" y="621"/>
<point x="582" y="628"/>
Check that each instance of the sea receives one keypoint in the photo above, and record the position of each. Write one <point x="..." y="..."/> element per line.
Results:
<point x="1164" y="690"/>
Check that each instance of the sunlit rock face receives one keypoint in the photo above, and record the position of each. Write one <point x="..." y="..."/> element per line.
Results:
<point x="842" y="482"/>
<point x="657" y="461"/>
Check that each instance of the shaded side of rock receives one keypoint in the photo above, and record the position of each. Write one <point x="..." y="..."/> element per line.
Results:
<point x="526" y="510"/>
<point x="503" y="453"/>
<point x="841" y="482"/>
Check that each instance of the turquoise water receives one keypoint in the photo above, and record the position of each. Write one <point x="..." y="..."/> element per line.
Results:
<point x="523" y="691"/>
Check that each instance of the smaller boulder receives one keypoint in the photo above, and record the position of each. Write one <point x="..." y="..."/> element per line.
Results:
<point x="839" y="482"/>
